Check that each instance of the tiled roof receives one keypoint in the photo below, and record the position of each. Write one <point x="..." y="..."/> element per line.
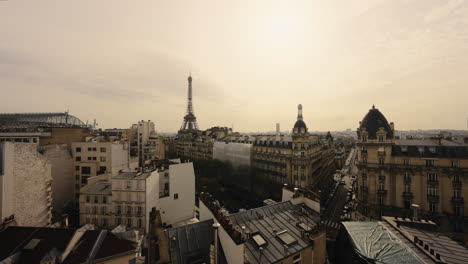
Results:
<point x="100" y="187"/>
<point x="277" y="224"/>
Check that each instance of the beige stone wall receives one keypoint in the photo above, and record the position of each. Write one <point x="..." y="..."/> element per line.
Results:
<point x="65" y="136"/>
<point x="32" y="198"/>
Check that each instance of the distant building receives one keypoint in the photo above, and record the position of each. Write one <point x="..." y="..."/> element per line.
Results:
<point x="396" y="173"/>
<point x="64" y="246"/>
<point x="25" y="182"/>
<point x="43" y="128"/>
<point x="145" y="143"/>
<point x="127" y="198"/>
<point x="396" y="240"/>
<point x="198" y="145"/>
<point x="301" y="159"/>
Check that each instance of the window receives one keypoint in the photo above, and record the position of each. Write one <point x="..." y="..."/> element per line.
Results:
<point x="432" y="177"/>
<point x="85" y="170"/>
<point x="88" y="199"/>
<point x="432" y="207"/>
<point x="456" y="193"/>
<point x="89" y="149"/>
<point x="102" y="169"/>
<point x="77" y="168"/>
<point x="456" y="178"/>
<point x="78" y="149"/>
<point x="118" y="221"/>
<point x="457" y="210"/>
<point x="94" y="209"/>
<point x="405" y="162"/>
<point x="407" y="187"/>
<point x="104" y="199"/>
<point x="103" y="210"/>
<point x="129" y="210"/>
<point x="381" y="200"/>
<point x="364" y="138"/>
<point x="404" y="148"/>
<point x="381" y="186"/>
<point x="77" y="177"/>
<point x="454" y="163"/>
<point x="176" y="196"/>
<point x="139" y="210"/>
<point x="78" y="158"/>
<point x="103" y="149"/>
<point x="129" y="222"/>
<point x="407" y="176"/>
<point x="432" y="149"/>
<point x="96" y="199"/>
<point x="105" y="222"/>
<point x="381" y="161"/>
<point x="118" y="209"/>
<point x="432" y="191"/>
<point x="381" y="138"/>
<point x="102" y="159"/>
<point x="429" y="163"/>
<point x="140" y="223"/>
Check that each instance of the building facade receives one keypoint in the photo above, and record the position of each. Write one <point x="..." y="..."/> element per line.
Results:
<point x="95" y="158"/>
<point x="128" y="197"/>
<point x="396" y="173"/>
<point x="145" y="142"/>
<point x="25" y="185"/>
<point x="300" y="159"/>
<point x="198" y="145"/>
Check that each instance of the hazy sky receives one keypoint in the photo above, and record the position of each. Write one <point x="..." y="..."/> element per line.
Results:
<point x="252" y="62"/>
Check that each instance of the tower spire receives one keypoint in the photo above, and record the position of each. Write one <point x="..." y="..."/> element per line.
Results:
<point x="190" y="121"/>
<point x="299" y="112"/>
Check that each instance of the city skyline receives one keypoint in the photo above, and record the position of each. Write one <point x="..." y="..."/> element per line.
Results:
<point x="252" y="62"/>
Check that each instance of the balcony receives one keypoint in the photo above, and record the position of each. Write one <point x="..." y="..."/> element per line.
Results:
<point x="433" y="198"/>
<point x="433" y="182"/>
<point x="457" y="184"/>
<point x="408" y="195"/>
<point x="457" y="200"/>
<point x="382" y="192"/>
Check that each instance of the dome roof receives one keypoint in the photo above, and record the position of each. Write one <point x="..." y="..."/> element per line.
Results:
<point x="373" y="121"/>
<point x="300" y="124"/>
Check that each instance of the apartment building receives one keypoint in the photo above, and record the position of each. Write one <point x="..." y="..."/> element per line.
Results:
<point x="144" y="142"/>
<point x="197" y="144"/>
<point x="128" y="197"/>
<point x="25" y="185"/>
<point x="396" y="173"/>
<point x="94" y="158"/>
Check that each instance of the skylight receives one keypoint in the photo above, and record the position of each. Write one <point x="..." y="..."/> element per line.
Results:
<point x="285" y="237"/>
<point x="259" y="240"/>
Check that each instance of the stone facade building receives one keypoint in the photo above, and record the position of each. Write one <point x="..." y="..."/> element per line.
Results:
<point x="396" y="173"/>
<point x="198" y="145"/>
<point x="25" y="185"/>
<point x="128" y="197"/>
<point x="300" y="159"/>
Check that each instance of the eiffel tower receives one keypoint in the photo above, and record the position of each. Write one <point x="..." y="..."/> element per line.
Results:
<point x="190" y="121"/>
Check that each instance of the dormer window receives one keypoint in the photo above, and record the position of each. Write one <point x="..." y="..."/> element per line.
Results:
<point x="364" y="138"/>
<point x="404" y="148"/>
<point x="381" y="139"/>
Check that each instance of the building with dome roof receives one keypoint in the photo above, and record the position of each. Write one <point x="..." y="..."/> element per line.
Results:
<point x="396" y="173"/>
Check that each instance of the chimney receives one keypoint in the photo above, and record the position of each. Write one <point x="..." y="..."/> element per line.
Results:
<point x="278" y="129"/>
<point x="415" y="211"/>
<point x="216" y="227"/>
